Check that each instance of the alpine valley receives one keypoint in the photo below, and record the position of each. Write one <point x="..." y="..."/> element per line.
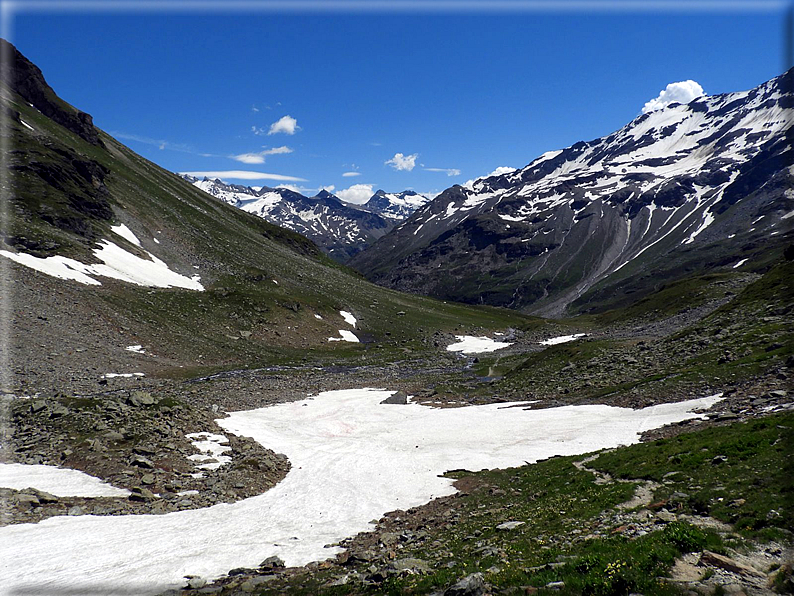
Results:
<point x="201" y="395"/>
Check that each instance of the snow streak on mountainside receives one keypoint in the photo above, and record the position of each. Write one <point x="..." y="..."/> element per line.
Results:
<point x="708" y="176"/>
<point x="339" y="228"/>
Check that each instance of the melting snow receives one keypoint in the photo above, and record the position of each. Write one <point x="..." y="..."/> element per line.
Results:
<point x="138" y="349"/>
<point x="740" y="263"/>
<point x="212" y="450"/>
<point x="122" y="375"/>
<point x="26" y="125"/>
<point x="553" y="341"/>
<point x="346" y="336"/>
<point x="345" y="448"/>
<point x="117" y="263"/>
<point x="126" y="233"/>
<point x="348" y="317"/>
<point x="468" y="344"/>
<point x="61" y="482"/>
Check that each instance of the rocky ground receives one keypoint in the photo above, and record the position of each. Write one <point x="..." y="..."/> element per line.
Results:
<point x="134" y="440"/>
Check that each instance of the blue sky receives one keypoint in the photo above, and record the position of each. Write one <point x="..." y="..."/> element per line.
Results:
<point x="457" y="94"/>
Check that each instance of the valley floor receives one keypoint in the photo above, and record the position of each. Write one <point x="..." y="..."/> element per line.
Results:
<point x="133" y="432"/>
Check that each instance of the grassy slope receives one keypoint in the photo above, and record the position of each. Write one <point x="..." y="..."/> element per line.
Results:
<point x="748" y="336"/>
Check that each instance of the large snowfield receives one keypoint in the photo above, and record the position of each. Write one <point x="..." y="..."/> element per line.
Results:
<point x="353" y="459"/>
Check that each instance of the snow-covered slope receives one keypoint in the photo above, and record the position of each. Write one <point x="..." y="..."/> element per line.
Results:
<point x="339" y="228"/>
<point x="396" y="206"/>
<point x="703" y="177"/>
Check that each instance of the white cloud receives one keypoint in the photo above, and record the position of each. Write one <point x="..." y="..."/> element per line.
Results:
<point x="286" y="125"/>
<point x="448" y="171"/>
<point x="244" y="175"/>
<point x="501" y="170"/>
<point x="351" y="174"/>
<point x="680" y="92"/>
<point x="402" y="162"/>
<point x="254" y="109"/>
<point x="292" y="187"/>
<point x="357" y="194"/>
<point x="329" y="188"/>
<point x="259" y="157"/>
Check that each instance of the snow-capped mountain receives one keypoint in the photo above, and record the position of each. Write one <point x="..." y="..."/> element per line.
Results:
<point x="691" y="187"/>
<point x="396" y="206"/>
<point x="339" y="228"/>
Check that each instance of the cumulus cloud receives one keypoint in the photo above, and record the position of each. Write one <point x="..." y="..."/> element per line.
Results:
<point x="243" y="175"/>
<point x="447" y="171"/>
<point x="351" y="174"/>
<point x="402" y="162"/>
<point x="259" y="157"/>
<point x="357" y="194"/>
<point x="285" y="125"/>
<point x="329" y="188"/>
<point x="292" y="187"/>
<point x="680" y="92"/>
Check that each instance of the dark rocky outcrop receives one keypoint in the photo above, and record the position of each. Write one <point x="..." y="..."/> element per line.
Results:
<point x="25" y="78"/>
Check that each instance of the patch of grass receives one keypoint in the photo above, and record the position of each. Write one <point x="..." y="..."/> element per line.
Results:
<point x="741" y="474"/>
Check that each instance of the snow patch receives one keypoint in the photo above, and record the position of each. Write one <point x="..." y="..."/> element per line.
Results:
<point x="26" y="125"/>
<point x="126" y="233"/>
<point x="122" y="375"/>
<point x="468" y="344"/>
<point x="117" y="263"/>
<point x="740" y="263"/>
<point x="138" y="349"/>
<point x="561" y="339"/>
<point x="61" y="482"/>
<point x="348" y="317"/>
<point x="212" y="449"/>
<point x="346" y="336"/>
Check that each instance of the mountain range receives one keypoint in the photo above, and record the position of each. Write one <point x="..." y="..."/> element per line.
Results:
<point x="690" y="188"/>
<point x="339" y="228"/>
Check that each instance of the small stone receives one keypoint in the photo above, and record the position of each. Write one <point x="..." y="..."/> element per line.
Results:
<point x="399" y="398"/>
<point x="471" y="585"/>
<point x="194" y="582"/>
<point x="273" y="562"/>
<point x="76" y="510"/>
<point x="714" y="560"/>
<point x="147" y="479"/>
<point x="28" y="501"/>
<point x="555" y="585"/>
<point x="141" y="495"/>
<point x="46" y="497"/>
<point x="719" y="459"/>
<point x="141" y="462"/>
<point x="38" y="406"/>
<point x="410" y="566"/>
